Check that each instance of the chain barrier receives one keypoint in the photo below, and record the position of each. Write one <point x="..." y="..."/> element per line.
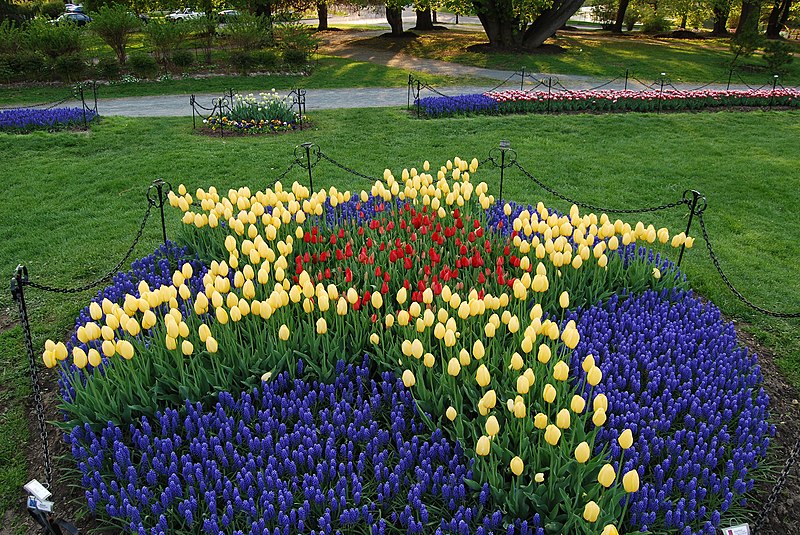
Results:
<point x="345" y="168"/>
<point x="666" y="206"/>
<point x="283" y="175"/>
<point x="730" y="285"/>
<point x="769" y="503"/>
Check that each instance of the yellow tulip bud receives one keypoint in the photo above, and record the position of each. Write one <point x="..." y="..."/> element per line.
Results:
<point x="478" y="351"/>
<point x="517" y="466"/>
<point x="428" y="360"/>
<point x="451" y="413"/>
<point x="626" y="439"/>
<point x="187" y="348"/>
<point x="222" y="317"/>
<point x="322" y="326"/>
<point x="600" y="402"/>
<point x="549" y="393"/>
<point x="516" y="362"/>
<point x="95" y="311"/>
<point x="539" y="477"/>
<point x="464" y="358"/>
<point x="544" y="354"/>
<point x="94" y="357"/>
<point x="283" y="332"/>
<point x="594" y="376"/>
<point x="578" y="404"/>
<point x="656" y="273"/>
<point x="482" y="376"/>
<point x="630" y="481"/>
<point x="408" y="379"/>
<point x="591" y="512"/>
<point x="79" y="357"/>
<point x="483" y="446"/>
<point x="552" y="435"/>
<point x="563" y="419"/>
<point x="453" y="367"/>
<point x="582" y="452"/>
<point x="530" y="376"/>
<point x="561" y="371"/>
<point x="492" y="426"/>
<point x="489" y="399"/>
<point x="377" y="300"/>
<point x="341" y="306"/>
<point x="416" y="348"/>
<point x="211" y="344"/>
<point x="109" y="349"/>
<point x="607" y="475"/>
<point x="610" y="529"/>
<point x="520" y="410"/>
<point x="540" y="421"/>
<point x="599" y="417"/>
<point x="523" y="385"/>
<point x="588" y="363"/>
<point x="563" y="299"/>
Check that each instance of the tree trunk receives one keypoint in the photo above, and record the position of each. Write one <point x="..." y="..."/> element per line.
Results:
<point x="683" y="21"/>
<point x="322" y="15"/>
<point x="721" y="12"/>
<point x="506" y="30"/>
<point x="424" y="19"/>
<point x="748" y="20"/>
<point x="264" y="9"/>
<point x="394" y="16"/>
<point x="546" y="24"/>
<point x="623" y="7"/>
<point x="777" y="18"/>
<point x="434" y="17"/>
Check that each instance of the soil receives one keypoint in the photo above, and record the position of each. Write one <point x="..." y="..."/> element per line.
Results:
<point x="681" y="34"/>
<point x="543" y="50"/>
<point x="784" y="519"/>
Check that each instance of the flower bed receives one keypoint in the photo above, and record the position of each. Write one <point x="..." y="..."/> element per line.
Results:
<point x="264" y="114"/>
<point x="564" y="378"/>
<point x="515" y="101"/>
<point x="22" y="120"/>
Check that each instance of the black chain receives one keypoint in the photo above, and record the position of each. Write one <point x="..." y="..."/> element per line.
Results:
<point x="594" y="208"/>
<point x="108" y="276"/>
<point x="769" y="504"/>
<point x="17" y="292"/>
<point x="283" y="175"/>
<point x="730" y="285"/>
<point x="345" y="168"/>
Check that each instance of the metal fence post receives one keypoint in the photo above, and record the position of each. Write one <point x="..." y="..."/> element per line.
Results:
<point x="774" y="86"/>
<point x="549" y="88"/>
<point x="94" y="94"/>
<point x="522" y="79"/>
<point x="83" y="106"/>
<point x="194" y="115"/>
<point x="307" y="145"/>
<point x="419" y="88"/>
<point x="505" y="145"/>
<point x="159" y="185"/>
<point x="692" y="208"/>
<point x="661" y="92"/>
<point x="408" y="92"/>
<point x="627" y="73"/>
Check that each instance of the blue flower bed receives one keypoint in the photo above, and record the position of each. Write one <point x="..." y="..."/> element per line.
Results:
<point x="29" y="119"/>
<point x="459" y="105"/>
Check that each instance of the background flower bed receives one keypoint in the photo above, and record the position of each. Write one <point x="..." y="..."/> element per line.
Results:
<point x="248" y="114"/>
<point x="514" y="101"/>
<point x="507" y="212"/>
<point x="21" y="120"/>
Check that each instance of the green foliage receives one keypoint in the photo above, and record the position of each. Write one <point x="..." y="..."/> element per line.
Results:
<point x="51" y="9"/>
<point x="11" y="37"/>
<point x="267" y="60"/>
<point x="296" y="36"/>
<point x="778" y="55"/>
<point x="107" y="69"/>
<point x="69" y="67"/>
<point x="182" y="59"/>
<point x="27" y="64"/>
<point x="745" y="42"/>
<point x="655" y="23"/>
<point x="165" y="37"/>
<point x="605" y="11"/>
<point x="295" y="59"/>
<point x="266" y="107"/>
<point x="54" y="40"/>
<point x="143" y="65"/>
<point x="248" y="32"/>
<point x="6" y="72"/>
<point x="114" y="25"/>
<point x="242" y="61"/>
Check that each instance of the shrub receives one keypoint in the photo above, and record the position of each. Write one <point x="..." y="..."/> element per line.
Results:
<point x="655" y="23"/>
<point x="778" y="55"/>
<point x="69" y="68"/>
<point x="266" y="59"/>
<point x="143" y="65"/>
<point x="248" y="32"/>
<point x="55" y="40"/>
<point x="30" y="65"/>
<point x="241" y="60"/>
<point x="108" y="69"/>
<point x="51" y="9"/>
<point x="295" y="59"/>
<point x="11" y="37"/>
<point x="165" y="37"/>
<point x="296" y="36"/>
<point x="114" y="25"/>
<point x="6" y="72"/>
<point x="182" y="59"/>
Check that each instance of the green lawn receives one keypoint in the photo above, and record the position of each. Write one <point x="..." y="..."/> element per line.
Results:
<point x="329" y="73"/>
<point x="592" y="53"/>
<point x="73" y="201"/>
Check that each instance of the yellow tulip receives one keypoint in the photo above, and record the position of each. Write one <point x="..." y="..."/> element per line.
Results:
<point x="540" y="420"/>
<point x="492" y="426"/>
<point x="187" y="348"/>
<point x="408" y="378"/>
<point x="211" y="344"/>
<point x="523" y="385"/>
<point x="108" y="348"/>
<point x="94" y="357"/>
<point x="563" y="299"/>
<point x="60" y="351"/>
<point x="449" y="338"/>
<point x="79" y="357"/>
<point x="464" y="358"/>
<point x="516" y="362"/>
<point x="374" y="339"/>
<point x="520" y="410"/>
<point x="517" y="466"/>
<point x="377" y="300"/>
<point x="599" y="417"/>
<point x="125" y="349"/>
<point x="428" y="360"/>
<point x="266" y="377"/>
<point x="582" y="452"/>
<point x="600" y="402"/>
<point x="482" y="376"/>
<point x="552" y="435"/>
<point x="483" y="446"/>
<point x="563" y="419"/>
<point x="588" y="363"/>
<point x="549" y="393"/>
<point x="451" y="413"/>
<point x="402" y="295"/>
<point x="626" y="439"/>
<point x="283" y="332"/>
<point x="630" y="481"/>
<point x="561" y="371"/>
<point x="570" y="336"/>
<point x="544" y="354"/>
<point x="49" y="358"/>
<point x="453" y="367"/>
<point x="594" y="376"/>
<point x="95" y="311"/>
<point x="341" y="306"/>
<point x="530" y="376"/>
<point x="591" y="512"/>
<point x="578" y="404"/>
<point x="607" y="475"/>
<point x="416" y="348"/>
<point x="478" y="351"/>
<point x="222" y="317"/>
<point x="539" y="477"/>
<point x="322" y="326"/>
<point x="610" y="529"/>
<point x="489" y="399"/>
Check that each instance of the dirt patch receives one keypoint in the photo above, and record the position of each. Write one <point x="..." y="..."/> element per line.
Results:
<point x="680" y="34"/>
<point x="543" y="50"/>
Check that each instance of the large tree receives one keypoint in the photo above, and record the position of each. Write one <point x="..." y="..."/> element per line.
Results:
<point x="778" y="17"/>
<point x="523" y="24"/>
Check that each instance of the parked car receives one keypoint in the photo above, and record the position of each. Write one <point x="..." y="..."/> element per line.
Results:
<point x="185" y="14"/>
<point x="141" y="16"/>
<point x="227" y="14"/>
<point x="81" y="19"/>
<point x="73" y="8"/>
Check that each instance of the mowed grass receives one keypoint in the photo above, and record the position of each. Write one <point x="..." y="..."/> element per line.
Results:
<point x="73" y="201"/>
<point x="327" y="73"/>
<point x="598" y="54"/>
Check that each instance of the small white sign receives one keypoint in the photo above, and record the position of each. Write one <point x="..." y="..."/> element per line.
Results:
<point x="37" y="489"/>
<point x="41" y="505"/>
<point x="741" y="529"/>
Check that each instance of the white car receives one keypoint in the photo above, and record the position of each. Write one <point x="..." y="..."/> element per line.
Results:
<point x="185" y="14"/>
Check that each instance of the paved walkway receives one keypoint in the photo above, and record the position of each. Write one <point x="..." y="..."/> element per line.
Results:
<point x="341" y="45"/>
